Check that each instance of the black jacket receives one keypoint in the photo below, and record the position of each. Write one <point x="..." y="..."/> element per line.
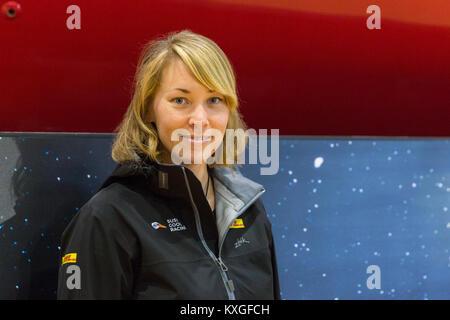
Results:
<point x="149" y="233"/>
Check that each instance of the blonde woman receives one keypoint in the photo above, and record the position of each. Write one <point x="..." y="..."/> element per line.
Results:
<point x="165" y="229"/>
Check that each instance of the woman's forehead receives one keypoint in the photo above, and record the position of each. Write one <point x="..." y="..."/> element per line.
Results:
<point x="176" y="74"/>
<point x="178" y="80"/>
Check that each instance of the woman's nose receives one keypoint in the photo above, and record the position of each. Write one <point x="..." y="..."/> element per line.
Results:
<point x="199" y="116"/>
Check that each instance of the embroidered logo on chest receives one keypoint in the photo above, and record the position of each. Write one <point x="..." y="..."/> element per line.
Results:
<point x="172" y="224"/>
<point x="240" y="241"/>
<point x="175" y="225"/>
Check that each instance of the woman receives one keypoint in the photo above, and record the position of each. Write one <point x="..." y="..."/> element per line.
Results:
<point x="166" y="225"/>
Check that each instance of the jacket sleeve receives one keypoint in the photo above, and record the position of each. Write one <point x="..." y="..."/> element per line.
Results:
<point x="276" y="280"/>
<point x="96" y="256"/>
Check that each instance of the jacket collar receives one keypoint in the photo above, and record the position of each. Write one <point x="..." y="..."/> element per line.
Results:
<point x="168" y="180"/>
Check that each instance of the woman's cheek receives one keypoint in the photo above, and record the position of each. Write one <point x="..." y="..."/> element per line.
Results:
<point x="165" y="138"/>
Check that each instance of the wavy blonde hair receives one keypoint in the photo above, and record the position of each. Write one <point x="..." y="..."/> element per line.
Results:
<point x="137" y="138"/>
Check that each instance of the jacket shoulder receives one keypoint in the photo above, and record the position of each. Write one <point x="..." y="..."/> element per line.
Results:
<point x="110" y="199"/>
<point x="105" y="209"/>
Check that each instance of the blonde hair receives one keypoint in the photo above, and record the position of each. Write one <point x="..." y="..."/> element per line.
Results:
<point x="209" y="65"/>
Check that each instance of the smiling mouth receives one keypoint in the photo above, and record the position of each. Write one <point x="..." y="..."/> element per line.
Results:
<point x="197" y="139"/>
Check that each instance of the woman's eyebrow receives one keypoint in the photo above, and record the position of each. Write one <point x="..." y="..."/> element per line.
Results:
<point x="187" y="91"/>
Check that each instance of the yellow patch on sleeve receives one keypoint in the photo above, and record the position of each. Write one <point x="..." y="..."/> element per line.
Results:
<point x="69" y="258"/>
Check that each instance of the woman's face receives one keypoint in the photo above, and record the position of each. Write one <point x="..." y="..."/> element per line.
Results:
<point x="181" y="102"/>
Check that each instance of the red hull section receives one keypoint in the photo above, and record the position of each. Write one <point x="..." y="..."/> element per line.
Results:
<point x="300" y="70"/>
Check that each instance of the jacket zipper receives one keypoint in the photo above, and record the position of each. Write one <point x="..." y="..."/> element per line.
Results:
<point x="229" y="286"/>
<point x="223" y="269"/>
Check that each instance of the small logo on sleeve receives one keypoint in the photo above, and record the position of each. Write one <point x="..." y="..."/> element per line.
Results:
<point x="237" y="223"/>
<point x="69" y="258"/>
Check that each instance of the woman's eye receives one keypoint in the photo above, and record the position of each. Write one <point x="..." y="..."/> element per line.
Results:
<point x="217" y="101"/>
<point x="177" y="100"/>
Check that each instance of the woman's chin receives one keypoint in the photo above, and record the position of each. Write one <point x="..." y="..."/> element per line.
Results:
<point x="197" y="158"/>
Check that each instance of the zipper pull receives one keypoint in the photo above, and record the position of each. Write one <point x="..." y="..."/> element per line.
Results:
<point x="231" y="285"/>
<point x="221" y="264"/>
